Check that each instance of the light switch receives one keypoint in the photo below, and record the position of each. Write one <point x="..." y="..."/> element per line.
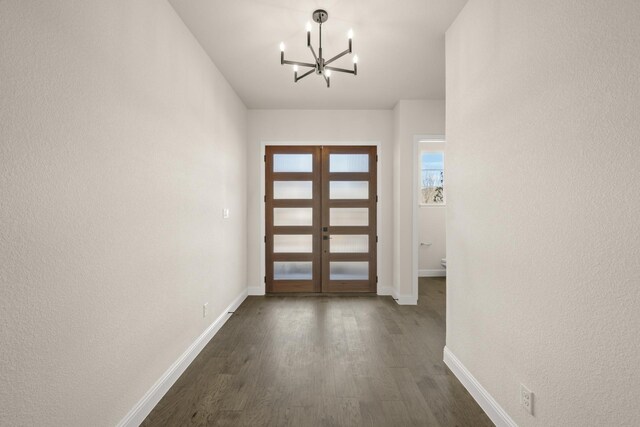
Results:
<point x="225" y="213"/>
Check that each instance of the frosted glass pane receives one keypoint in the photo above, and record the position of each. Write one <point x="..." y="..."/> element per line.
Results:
<point x="292" y="270"/>
<point x="349" y="243"/>
<point x="349" y="189"/>
<point x="292" y="162"/>
<point x="293" y="189"/>
<point x="348" y="163"/>
<point x="349" y="216"/>
<point x="292" y="216"/>
<point x="351" y="270"/>
<point x="293" y="243"/>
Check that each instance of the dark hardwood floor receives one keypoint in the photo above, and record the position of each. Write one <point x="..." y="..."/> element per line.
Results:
<point x="324" y="361"/>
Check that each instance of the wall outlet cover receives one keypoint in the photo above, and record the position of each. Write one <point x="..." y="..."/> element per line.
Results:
<point x="526" y="399"/>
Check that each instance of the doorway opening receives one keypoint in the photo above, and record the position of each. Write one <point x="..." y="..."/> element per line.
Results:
<point x="429" y="208"/>
<point x="320" y="219"/>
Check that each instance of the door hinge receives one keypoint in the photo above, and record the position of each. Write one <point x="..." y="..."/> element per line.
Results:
<point x="376" y="239"/>
<point x="376" y="199"/>
<point x="265" y="239"/>
<point x="265" y="198"/>
<point x="265" y="279"/>
<point x="376" y="157"/>
<point x="376" y="279"/>
<point x="265" y="158"/>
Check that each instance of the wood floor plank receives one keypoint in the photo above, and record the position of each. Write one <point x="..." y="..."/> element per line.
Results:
<point x="339" y="412"/>
<point x="324" y="361"/>
<point x="419" y="411"/>
<point x="396" y="413"/>
<point x="372" y="413"/>
<point x="297" y="416"/>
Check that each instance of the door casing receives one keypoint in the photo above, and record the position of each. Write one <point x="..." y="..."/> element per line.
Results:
<point x="320" y="229"/>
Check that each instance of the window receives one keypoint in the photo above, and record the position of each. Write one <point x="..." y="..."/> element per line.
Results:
<point x="431" y="178"/>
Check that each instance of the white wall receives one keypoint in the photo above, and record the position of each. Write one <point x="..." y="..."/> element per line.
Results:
<point x="543" y="100"/>
<point x="411" y="118"/>
<point x="319" y="127"/>
<point x="120" y="144"/>
<point x="432" y="225"/>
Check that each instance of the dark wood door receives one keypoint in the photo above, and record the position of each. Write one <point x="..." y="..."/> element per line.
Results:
<point x="349" y="190"/>
<point x="320" y="219"/>
<point x="293" y="219"/>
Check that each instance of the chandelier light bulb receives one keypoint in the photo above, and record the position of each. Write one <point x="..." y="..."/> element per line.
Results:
<point x="350" y="34"/>
<point x="355" y="59"/>
<point x="327" y="73"/>
<point x="295" y="68"/>
<point x="308" y="27"/>
<point x="281" y="47"/>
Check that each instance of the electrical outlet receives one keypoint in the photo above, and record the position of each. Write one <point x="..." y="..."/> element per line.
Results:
<point x="204" y="309"/>
<point x="526" y="399"/>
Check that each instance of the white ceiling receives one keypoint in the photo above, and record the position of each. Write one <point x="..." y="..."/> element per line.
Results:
<point x="400" y="47"/>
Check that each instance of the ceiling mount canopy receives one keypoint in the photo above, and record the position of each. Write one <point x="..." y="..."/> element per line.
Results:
<point x="320" y="65"/>
<point x="320" y="16"/>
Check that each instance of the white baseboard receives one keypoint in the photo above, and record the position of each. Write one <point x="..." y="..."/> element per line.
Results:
<point x="488" y="404"/>
<point x="404" y="299"/>
<point x="140" y="411"/>
<point x="432" y="273"/>
<point x="256" y="290"/>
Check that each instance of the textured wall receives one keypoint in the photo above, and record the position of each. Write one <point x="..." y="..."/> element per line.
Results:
<point x="120" y="144"/>
<point x="543" y="100"/>
<point x="318" y="127"/>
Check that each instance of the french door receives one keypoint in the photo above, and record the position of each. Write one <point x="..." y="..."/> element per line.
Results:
<point x="320" y="219"/>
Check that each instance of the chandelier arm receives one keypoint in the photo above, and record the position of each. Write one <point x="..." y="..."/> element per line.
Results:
<point x="304" y="75"/>
<point x="314" y="53"/>
<point x="338" y="56"/>
<point x="301" y="64"/>
<point x="326" y="79"/>
<point x="340" y="70"/>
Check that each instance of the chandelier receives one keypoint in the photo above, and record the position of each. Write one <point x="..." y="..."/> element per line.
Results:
<point x="320" y="65"/>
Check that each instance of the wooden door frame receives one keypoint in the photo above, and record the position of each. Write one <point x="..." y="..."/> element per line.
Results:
<point x="381" y="290"/>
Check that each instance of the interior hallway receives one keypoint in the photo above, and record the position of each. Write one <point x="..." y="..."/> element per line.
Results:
<point x="330" y="361"/>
